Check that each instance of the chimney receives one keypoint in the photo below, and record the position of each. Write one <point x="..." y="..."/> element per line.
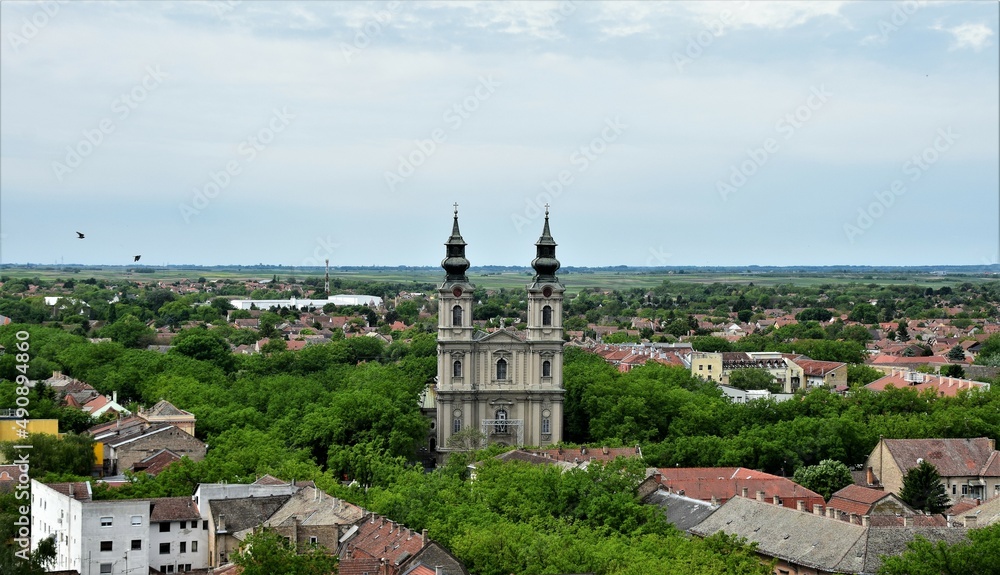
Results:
<point x="776" y="500"/>
<point x="855" y="519"/>
<point x="604" y="450"/>
<point x="866" y="521"/>
<point x="746" y="492"/>
<point x="907" y="521"/>
<point x="800" y="505"/>
<point x="831" y="512"/>
<point x="817" y="509"/>
<point x="760" y="496"/>
<point x="970" y="521"/>
<point x="423" y="536"/>
<point x="714" y="501"/>
<point x="870" y="476"/>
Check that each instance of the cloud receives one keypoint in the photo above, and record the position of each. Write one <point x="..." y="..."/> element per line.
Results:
<point x="968" y="35"/>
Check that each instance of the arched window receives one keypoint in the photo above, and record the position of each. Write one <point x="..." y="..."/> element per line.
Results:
<point x="456" y="425"/>
<point x="501" y="417"/>
<point x="456" y="316"/>
<point x="547" y="315"/>
<point x="456" y="368"/>
<point x="546" y="426"/>
<point x="501" y="368"/>
<point x="546" y="368"/>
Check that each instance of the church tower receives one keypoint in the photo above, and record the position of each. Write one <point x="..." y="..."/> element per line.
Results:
<point x="505" y="385"/>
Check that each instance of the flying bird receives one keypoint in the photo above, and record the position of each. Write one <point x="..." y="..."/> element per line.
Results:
<point x="136" y="258"/>
<point x="79" y="236"/>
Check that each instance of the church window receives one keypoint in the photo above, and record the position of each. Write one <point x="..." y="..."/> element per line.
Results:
<point x="456" y="316"/>
<point x="546" y="426"/>
<point x="546" y="368"/>
<point x="501" y="417"/>
<point x="501" y="368"/>
<point x="456" y="368"/>
<point x="547" y="315"/>
<point x="456" y="425"/>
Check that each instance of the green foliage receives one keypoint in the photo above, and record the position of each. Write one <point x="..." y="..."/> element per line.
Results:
<point x="71" y="454"/>
<point x="923" y="490"/>
<point x="978" y="556"/>
<point x="709" y="343"/>
<point x="129" y="331"/>
<point x="264" y="552"/>
<point x="754" y="378"/>
<point x="956" y="353"/>
<point x="620" y="337"/>
<point x="953" y="370"/>
<point x="814" y="314"/>
<point x="825" y="478"/>
<point x="859" y="374"/>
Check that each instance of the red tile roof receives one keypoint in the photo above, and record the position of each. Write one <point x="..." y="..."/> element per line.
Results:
<point x="952" y="457"/>
<point x="856" y="499"/>
<point x="379" y="538"/>
<point x="724" y="483"/>
<point x="942" y="386"/>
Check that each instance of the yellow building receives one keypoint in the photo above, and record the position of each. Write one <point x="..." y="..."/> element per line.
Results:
<point x="11" y="430"/>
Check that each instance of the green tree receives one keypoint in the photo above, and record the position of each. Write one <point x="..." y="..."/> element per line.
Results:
<point x="953" y="370"/>
<point x="468" y="439"/>
<point x="710" y="343"/>
<point x="826" y="478"/>
<point x="754" y="378"/>
<point x="956" y="353"/>
<point x="923" y="490"/>
<point x="265" y="552"/>
<point x="129" y="331"/>
<point x="902" y="334"/>
<point x="73" y="454"/>
<point x="861" y="374"/>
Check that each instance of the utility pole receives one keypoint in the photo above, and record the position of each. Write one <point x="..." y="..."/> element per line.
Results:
<point x="326" y="284"/>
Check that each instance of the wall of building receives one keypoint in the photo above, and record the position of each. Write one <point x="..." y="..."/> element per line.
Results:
<point x="129" y="522"/>
<point x="192" y="535"/>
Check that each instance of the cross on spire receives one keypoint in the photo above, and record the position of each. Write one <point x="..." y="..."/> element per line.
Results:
<point x="456" y="208"/>
<point x="546" y="209"/>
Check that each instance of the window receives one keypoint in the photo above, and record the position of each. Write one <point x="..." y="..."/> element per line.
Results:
<point x="710" y="368"/>
<point x="501" y="368"/>
<point x="953" y="490"/>
<point x="187" y="566"/>
<point x="546" y="426"/>
<point x="184" y="547"/>
<point x="456" y="369"/>
<point x="194" y="547"/>
<point x="105" y="567"/>
<point x="137" y="520"/>
<point x="701" y="367"/>
<point x="182" y="525"/>
<point x="107" y="546"/>
<point x="547" y="315"/>
<point x="204" y="525"/>
<point x="164" y="548"/>
<point x="546" y="368"/>
<point x="456" y="425"/>
<point x="501" y="416"/>
<point x="313" y="540"/>
<point x="106" y="521"/>
<point x="965" y="490"/>
<point x="137" y="545"/>
<point x="165" y="527"/>
<point x="170" y="569"/>
<point x="456" y="316"/>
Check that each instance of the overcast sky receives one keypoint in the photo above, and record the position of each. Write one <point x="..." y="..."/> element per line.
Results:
<point x="729" y="133"/>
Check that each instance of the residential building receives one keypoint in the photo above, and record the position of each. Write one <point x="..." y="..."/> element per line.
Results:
<point x="166" y="413"/>
<point x="968" y="467"/>
<point x="860" y="501"/>
<point x="119" y="536"/>
<point x="122" y="453"/>
<point x="720" y="484"/>
<point x="506" y="384"/>
<point x="806" y="543"/>
<point x="792" y="371"/>
<point x="311" y="517"/>
<point x="941" y="386"/>
<point x="378" y="546"/>
<point x="681" y="511"/>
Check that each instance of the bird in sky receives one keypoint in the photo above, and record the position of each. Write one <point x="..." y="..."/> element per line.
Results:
<point x="136" y="258"/>
<point x="79" y="236"/>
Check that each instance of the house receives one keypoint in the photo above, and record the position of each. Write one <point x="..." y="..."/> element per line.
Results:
<point x="968" y="467"/>
<point x="941" y="386"/>
<point x="165" y="412"/>
<point x="117" y="536"/>
<point x="121" y="453"/>
<point x="861" y="501"/>
<point x="312" y="517"/>
<point x="376" y="545"/>
<point x="811" y="543"/>
<point x="720" y="484"/>
<point x="681" y="511"/>
<point x="239" y="515"/>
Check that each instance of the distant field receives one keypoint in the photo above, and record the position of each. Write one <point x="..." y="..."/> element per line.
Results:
<point x="574" y="280"/>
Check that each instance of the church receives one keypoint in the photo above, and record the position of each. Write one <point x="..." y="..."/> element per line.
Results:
<point x="506" y="384"/>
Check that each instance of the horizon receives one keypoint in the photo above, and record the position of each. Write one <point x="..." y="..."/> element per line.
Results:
<point x="662" y="134"/>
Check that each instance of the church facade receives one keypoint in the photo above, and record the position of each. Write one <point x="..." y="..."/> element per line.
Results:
<point x="507" y="384"/>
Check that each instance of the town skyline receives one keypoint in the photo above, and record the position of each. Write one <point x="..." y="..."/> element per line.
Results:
<point x="661" y="134"/>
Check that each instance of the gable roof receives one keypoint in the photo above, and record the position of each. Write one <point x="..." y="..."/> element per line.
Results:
<point x="172" y="509"/>
<point x="434" y="559"/>
<point x="382" y="539"/>
<point x="724" y="483"/>
<point x="951" y="457"/>
<point x="156" y="462"/>
<point x="314" y="507"/>
<point x="859" y="500"/>
<point x="164" y="408"/>
<point x="682" y="512"/>
<point x="244" y="512"/>
<point x="501" y="335"/>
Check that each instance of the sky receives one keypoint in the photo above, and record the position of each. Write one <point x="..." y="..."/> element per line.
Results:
<point x="659" y="133"/>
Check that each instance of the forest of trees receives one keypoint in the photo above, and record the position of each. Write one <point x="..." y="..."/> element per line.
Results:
<point x="348" y="409"/>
